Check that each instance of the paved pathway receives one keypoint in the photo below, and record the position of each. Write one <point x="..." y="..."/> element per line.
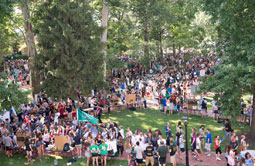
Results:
<point x="207" y="161"/>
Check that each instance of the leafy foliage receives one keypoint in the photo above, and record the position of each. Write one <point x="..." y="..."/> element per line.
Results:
<point x="10" y="23"/>
<point x="235" y="77"/>
<point x="10" y="94"/>
<point x="69" y="48"/>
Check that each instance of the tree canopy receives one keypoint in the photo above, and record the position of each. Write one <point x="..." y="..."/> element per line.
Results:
<point x="235" y="77"/>
<point x="69" y="47"/>
<point x="11" y="95"/>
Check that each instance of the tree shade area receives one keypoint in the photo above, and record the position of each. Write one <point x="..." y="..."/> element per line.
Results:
<point x="137" y="64"/>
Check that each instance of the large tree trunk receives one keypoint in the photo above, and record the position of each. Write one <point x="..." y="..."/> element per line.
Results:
<point x="104" y="36"/>
<point x="35" y="81"/>
<point x="174" y="50"/>
<point x="146" y="41"/>
<point x="180" y="49"/>
<point x="160" y="45"/>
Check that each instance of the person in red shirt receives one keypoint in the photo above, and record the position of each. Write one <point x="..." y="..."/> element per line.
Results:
<point x="27" y="119"/>
<point x="61" y="110"/>
<point x="217" y="147"/>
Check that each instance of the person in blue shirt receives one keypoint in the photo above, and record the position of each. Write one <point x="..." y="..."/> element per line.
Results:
<point x="123" y="86"/>
<point x="248" y="159"/>
<point x="208" y="142"/>
<point x="169" y="90"/>
<point x="164" y="104"/>
<point x="167" y="128"/>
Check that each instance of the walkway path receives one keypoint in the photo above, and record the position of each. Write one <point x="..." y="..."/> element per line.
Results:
<point x="207" y="161"/>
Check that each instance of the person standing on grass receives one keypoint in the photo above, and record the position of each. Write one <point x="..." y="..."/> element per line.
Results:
<point x="120" y="143"/>
<point x="167" y="128"/>
<point x="139" y="153"/>
<point x="171" y="105"/>
<point x="208" y="142"/>
<point x="29" y="149"/>
<point x="94" y="151"/>
<point x="162" y="152"/>
<point x="103" y="151"/>
<point x="198" y="148"/>
<point x="217" y="147"/>
<point x="128" y="149"/>
<point x="8" y="144"/>
<point x="87" y="152"/>
<point x="149" y="155"/>
<point x="164" y="104"/>
<point x="99" y="113"/>
<point x="228" y="130"/>
<point x="77" y="142"/>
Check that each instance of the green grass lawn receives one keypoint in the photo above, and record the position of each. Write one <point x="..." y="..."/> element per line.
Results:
<point x="20" y="160"/>
<point x="143" y="119"/>
<point x="153" y="119"/>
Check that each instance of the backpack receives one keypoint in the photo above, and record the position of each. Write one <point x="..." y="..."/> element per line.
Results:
<point x="66" y="147"/>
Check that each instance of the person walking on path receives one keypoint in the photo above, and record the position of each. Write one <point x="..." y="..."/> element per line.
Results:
<point x="217" y="147"/>
<point x="208" y="142"/>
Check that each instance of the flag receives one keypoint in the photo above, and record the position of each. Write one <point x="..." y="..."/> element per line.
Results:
<point x="84" y="117"/>
<point x="14" y="111"/>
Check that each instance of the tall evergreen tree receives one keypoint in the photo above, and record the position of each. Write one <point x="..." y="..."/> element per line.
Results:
<point x="70" y="48"/>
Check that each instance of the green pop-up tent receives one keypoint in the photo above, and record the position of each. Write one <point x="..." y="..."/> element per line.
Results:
<point x="84" y="117"/>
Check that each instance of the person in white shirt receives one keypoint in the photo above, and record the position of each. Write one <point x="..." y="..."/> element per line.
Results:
<point x="134" y="139"/>
<point x="121" y="131"/>
<point x="140" y="137"/>
<point x="198" y="148"/>
<point x="161" y="139"/>
<point x="129" y="133"/>
<point x="139" y="153"/>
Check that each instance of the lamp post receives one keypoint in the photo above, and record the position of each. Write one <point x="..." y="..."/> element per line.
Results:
<point x="185" y="118"/>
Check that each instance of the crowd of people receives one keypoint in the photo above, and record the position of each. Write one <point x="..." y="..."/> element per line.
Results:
<point x="18" y="72"/>
<point x="167" y="84"/>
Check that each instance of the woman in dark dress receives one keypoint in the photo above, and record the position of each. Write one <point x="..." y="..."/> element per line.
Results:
<point x="28" y="149"/>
